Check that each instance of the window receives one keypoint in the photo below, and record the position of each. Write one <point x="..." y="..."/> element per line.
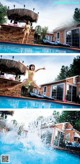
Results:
<point x="45" y="88"/>
<point x="57" y="91"/>
<point x="58" y="36"/>
<point x="54" y="91"/>
<point x="71" y="93"/>
<point x="69" y="37"/>
<point x="73" y="37"/>
<point x="60" y="89"/>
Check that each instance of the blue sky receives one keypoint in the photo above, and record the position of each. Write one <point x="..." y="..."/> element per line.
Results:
<point x="53" y="13"/>
<point x="51" y="63"/>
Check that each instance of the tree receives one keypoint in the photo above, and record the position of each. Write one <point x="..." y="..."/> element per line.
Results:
<point x="72" y="70"/>
<point x="38" y="30"/>
<point x="74" y="67"/>
<point x="3" y="14"/>
<point x="63" y="73"/>
<point x="44" y="32"/>
<point x="56" y="116"/>
<point x="72" y="117"/>
<point x="76" y="15"/>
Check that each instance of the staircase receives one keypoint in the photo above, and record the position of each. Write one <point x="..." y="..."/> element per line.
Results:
<point x="14" y="34"/>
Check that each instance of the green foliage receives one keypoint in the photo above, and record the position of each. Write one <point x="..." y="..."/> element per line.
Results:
<point x="56" y="116"/>
<point x="74" y="67"/>
<point x="76" y="15"/>
<point x="72" y="70"/>
<point x="44" y="32"/>
<point x="40" y="32"/>
<point x="3" y="14"/>
<point x="72" y="117"/>
<point x="64" y="72"/>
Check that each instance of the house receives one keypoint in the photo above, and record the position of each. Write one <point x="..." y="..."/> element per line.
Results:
<point x="68" y="34"/>
<point x="64" y="132"/>
<point x="59" y="134"/>
<point x="49" y="36"/>
<point x="65" y="90"/>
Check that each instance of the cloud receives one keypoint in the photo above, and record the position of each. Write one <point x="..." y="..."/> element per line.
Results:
<point x="51" y="14"/>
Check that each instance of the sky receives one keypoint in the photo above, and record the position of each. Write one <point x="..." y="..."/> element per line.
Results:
<point x="52" y="13"/>
<point x="27" y="116"/>
<point x="52" y="64"/>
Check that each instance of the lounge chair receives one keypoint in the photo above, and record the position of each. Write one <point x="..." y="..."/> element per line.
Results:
<point x="35" y="95"/>
<point x="55" y="43"/>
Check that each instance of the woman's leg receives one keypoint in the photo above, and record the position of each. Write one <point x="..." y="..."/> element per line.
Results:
<point x="24" y="37"/>
<point x="16" y="86"/>
<point x="36" y="86"/>
<point x="27" y="35"/>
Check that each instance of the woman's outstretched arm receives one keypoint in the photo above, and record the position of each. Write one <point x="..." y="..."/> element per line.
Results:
<point x="40" y="69"/>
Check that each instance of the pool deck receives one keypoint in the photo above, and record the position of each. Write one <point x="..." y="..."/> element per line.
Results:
<point x="76" y="152"/>
<point x="42" y="99"/>
<point x="43" y="45"/>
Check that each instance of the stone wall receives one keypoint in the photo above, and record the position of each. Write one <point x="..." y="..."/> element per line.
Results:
<point x="5" y="84"/>
<point x="14" y="34"/>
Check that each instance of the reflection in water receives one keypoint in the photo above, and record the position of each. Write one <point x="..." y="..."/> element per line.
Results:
<point x="24" y="103"/>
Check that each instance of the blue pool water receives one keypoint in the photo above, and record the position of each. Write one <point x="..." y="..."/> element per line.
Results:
<point x="17" y="48"/>
<point x="18" y="154"/>
<point x="7" y="102"/>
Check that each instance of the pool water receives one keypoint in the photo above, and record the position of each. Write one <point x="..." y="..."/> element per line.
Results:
<point x="19" y="48"/>
<point x="31" y="154"/>
<point x="7" y="102"/>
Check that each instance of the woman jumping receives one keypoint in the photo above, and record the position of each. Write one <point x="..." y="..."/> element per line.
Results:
<point x="30" y="81"/>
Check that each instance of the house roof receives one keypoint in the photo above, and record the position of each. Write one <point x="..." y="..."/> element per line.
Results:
<point x="51" y="34"/>
<point x="59" y="81"/>
<point x="66" y="26"/>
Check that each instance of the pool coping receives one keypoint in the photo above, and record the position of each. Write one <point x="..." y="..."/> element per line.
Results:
<point x="40" y="99"/>
<point x="42" y="45"/>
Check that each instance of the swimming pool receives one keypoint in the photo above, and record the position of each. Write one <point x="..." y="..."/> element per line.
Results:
<point x="19" y="48"/>
<point x="7" y="102"/>
<point x="20" y="153"/>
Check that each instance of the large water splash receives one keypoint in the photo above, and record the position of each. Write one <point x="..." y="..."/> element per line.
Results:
<point x="28" y="148"/>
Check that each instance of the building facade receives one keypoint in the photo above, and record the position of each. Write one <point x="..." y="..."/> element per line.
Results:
<point x="49" y="36"/>
<point x="64" y="90"/>
<point x="64" y="133"/>
<point x="68" y="35"/>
